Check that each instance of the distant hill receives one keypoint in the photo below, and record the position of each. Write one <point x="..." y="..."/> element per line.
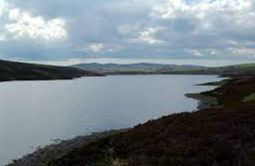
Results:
<point x="150" y="68"/>
<point x="242" y="69"/>
<point x="26" y="71"/>
<point x="137" y="68"/>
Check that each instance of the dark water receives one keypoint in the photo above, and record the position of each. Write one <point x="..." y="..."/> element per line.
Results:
<point x="33" y="113"/>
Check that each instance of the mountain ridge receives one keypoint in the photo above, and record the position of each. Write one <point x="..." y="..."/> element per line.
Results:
<point x="155" y="68"/>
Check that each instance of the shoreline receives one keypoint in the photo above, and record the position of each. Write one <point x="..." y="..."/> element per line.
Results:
<point x="41" y="156"/>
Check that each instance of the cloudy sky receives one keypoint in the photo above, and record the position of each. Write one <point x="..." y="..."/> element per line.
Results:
<point x="163" y="30"/>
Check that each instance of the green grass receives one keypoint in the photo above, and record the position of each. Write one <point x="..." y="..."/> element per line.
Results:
<point x="251" y="97"/>
<point x="104" y="162"/>
<point x="205" y="100"/>
<point x="108" y="161"/>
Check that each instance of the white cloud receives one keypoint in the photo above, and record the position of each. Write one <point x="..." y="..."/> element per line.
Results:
<point x="24" y="24"/>
<point x="2" y="38"/>
<point x="213" y="52"/>
<point x="200" y="8"/>
<point x="243" y="51"/>
<point x="147" y="35"/>
<point x="96" y="47"/>
<point x="17" y="23"/>
<point x="3" y="7"/>
<point x="197" y="53"/>
<point x="100" y="48"/>
<point x="130" y="28"/>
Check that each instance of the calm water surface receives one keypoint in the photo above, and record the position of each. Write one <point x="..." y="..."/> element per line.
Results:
<point x="33" y="113"/>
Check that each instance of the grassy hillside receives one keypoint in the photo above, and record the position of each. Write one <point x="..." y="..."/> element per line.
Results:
<point x="24" y="71"/>
<point x="244" y="69"/>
